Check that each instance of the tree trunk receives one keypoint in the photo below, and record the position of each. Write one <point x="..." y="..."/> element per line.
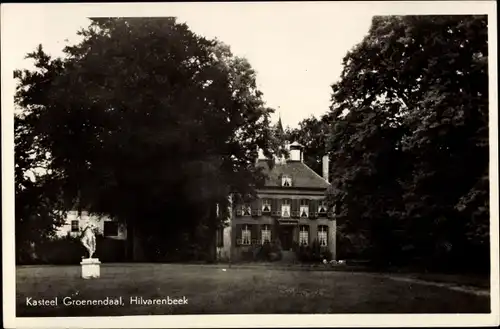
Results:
<point x="212" y="231"/>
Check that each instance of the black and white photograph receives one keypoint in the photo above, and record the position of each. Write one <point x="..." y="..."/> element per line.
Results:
<point x="250" y="164"/>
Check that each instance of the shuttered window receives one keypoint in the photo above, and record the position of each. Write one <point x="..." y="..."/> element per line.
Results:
<point x="246" y="210"/>
<point x="304" y="208"/>
<point x="286" y="181"/>
<point x="266" y="206"/>
<point x="246" y="235"/>
<point x="266" y="233"/>
<point x="323" y="235"/>
<point x="285" y="208"/>
<point x="75" y="226"/>
<point x="322" y="209"/>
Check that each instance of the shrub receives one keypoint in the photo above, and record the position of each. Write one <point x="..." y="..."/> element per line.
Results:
<point x="269" y="251"/>
<point x="313" y="253"/>
<point x="69" y="250"/>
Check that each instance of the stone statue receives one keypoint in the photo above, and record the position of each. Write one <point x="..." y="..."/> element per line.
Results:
<point x="88" y="239"/>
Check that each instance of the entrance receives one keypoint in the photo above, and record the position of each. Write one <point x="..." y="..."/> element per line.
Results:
<point x="286" y="237"/>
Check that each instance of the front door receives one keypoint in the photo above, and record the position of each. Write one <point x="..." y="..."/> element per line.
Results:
<point x="286" y="237"/>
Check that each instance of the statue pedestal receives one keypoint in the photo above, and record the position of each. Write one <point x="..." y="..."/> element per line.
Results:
<point x="90" y="268"/>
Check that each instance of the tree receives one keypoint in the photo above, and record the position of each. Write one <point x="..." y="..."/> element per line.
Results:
<point x="150" y="124"/>
<point x="38" y="198"/>
<point x="409" y="140"/>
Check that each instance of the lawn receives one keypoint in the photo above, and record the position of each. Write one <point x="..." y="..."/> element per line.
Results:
<point x="210" y="290"/>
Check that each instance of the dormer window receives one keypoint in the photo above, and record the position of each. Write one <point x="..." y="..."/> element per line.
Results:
<point x="285" y="208"/>
<point x="286" y="181"/>
<point x="266" y="205"/>
<point x="246" y="210"/>
<point x="304" y="208"/>
<point x="322" y="209"/>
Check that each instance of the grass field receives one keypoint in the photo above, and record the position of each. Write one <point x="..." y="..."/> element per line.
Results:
<point x="210" y="290"/>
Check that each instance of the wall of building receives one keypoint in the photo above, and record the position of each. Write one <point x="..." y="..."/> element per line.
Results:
<point x="85" y="218"/>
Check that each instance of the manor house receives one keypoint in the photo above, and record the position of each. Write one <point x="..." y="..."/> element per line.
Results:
<point x="290" y="209"/>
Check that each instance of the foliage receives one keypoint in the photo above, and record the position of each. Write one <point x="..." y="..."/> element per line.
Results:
<point x="69" y="250"/>
<point x="409" y="139"/>
<point x="148" y="123"/>
<point x="269" y="251"/>
<point x="313" y="253"/>
<point x="313" y="135"/>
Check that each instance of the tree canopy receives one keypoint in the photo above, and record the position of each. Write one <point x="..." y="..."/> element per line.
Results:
<point x="143" y="121"/>
<point x="409" y="138"/>
<point x="312" y="133"/>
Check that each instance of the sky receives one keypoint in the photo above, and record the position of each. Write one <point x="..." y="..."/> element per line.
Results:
<point x="296" y="50"/>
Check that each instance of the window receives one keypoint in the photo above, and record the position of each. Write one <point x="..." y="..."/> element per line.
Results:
<point x="266" y="205"/>
<point x="322" y="209"/>
<point x="304" y="208"/>
<point x="75" y="226"/>
<point x="246" y="235"/>
<point x="323" y="235"/>
<point x="110" y="228"/>
<point x="246" y="210"/>
<point x="286" y="181"/>
<point x="285" y="208"/>
<point x="304" y="236"/>
<point x="266" y="234"/>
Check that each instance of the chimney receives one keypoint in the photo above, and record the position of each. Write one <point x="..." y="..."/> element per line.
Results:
<point x="326" y="167"/>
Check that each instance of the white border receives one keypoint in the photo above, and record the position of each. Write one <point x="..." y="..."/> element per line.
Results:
<point x="182" y="321"/>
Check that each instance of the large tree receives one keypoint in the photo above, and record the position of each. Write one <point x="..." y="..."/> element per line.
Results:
<point x="409" y="140"/>
<point x="148" y="123"/>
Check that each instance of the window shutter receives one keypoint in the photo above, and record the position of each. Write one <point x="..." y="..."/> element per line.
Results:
<point x="295" y="207"/>
<point x="255" y="232"/>
<point x="277" y="207"/>
<point x="314" y="205"/>
<point x="313" y="208"/>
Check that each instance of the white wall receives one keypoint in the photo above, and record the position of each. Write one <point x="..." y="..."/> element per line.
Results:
<point x="83" y="220"/>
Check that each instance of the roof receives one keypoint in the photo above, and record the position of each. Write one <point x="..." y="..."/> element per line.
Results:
<point x="295" y="145"/>
<point x="302" y="176"/>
